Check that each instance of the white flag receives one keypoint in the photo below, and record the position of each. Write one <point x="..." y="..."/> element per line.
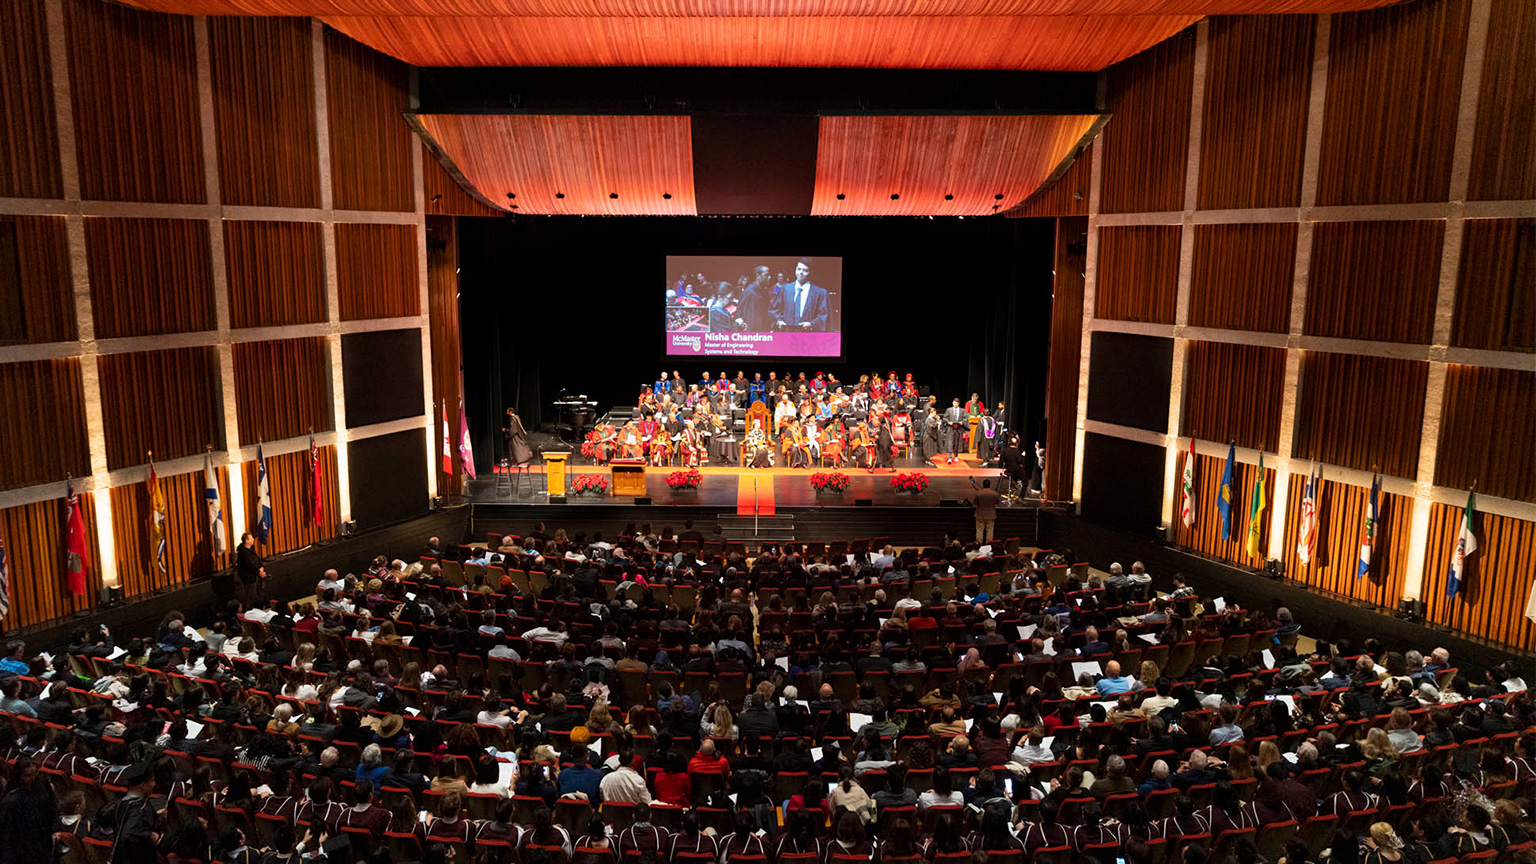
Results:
<point x="1189" y="486"/>
<point x="215" y="506"/>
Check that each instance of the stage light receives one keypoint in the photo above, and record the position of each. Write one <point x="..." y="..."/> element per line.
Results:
<point x="613" y="194"/>
<point x="559" y="194"/>
<point x="511" y="194"/>
<point x="948" y="197"/>
<point x="841" y="196"/>
<point x="514" y="206"/>
<point x="997" y="197"/>
<point x="895" y="195"/>
<point x="667" y="196"/>
<point x="436" y="198"/>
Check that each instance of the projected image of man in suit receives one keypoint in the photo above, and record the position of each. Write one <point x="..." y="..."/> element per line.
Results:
<point x="802" y="303"/>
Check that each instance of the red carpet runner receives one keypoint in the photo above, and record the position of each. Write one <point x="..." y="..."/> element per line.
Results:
<point x="754" y="495"/>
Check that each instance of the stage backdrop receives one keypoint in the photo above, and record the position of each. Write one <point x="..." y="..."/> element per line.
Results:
<point x="550" y="303"/>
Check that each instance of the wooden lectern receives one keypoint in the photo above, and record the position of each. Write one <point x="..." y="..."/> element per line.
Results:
<point x="628" y="476"/>
<point x="554" y="472"/>
<point x="972" y="442"/>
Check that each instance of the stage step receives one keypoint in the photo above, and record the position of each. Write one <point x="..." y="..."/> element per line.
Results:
<point x="778" y="528"/>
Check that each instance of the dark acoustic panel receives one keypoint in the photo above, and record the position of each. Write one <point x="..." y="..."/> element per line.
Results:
<point x="1122" y="483"/>
<point x="1128" y="380"/>
<point x="388" y="477"/>
<point x="382" y="374"/>
<point x="754" y="163"/>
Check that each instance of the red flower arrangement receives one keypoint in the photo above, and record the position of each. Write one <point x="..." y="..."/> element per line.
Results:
<point x="915" y="482"/>
<point x="829" y="481"/>
<point x="689" y="479"/>
<point x="589" y="484"/>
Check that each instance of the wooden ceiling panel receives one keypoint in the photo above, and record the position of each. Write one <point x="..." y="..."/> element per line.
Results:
<point x="571" y="164"/>
<point x="939" y="166"/>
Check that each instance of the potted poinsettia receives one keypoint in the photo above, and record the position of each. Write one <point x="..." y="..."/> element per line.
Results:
<point x="912" y="484"/>
<point x="688" y="480"/>
<point x="589" y="484"/>
<point x="829" y="482"/>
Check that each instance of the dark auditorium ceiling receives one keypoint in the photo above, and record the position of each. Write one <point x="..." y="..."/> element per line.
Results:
<point x="808" y="107"/>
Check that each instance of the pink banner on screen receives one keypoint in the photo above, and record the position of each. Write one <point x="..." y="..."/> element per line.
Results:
<point x="755" y="344"/>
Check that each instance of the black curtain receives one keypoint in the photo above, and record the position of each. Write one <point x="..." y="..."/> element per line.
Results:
<point x="553" y="303"/>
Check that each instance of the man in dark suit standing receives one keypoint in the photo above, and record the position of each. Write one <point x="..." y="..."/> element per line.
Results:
<point x="802" y="304"/>
<point x="249" y="571"/>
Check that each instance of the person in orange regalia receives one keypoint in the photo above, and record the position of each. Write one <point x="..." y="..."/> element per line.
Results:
<point x="859" y="447"/>
<point x="661" y="450"/>
<point x="631" y="445"/>
<point x="690" y="445"/>
<point x="792" y="444"/>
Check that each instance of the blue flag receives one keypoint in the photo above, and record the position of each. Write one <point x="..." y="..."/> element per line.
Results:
<point x="263" y="498"/>
<point x="1370" y="528"/>
<point x="1224" y="500"/>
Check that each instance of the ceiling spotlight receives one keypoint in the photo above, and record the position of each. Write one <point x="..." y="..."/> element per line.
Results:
<point x="841" y="196"/>
<point x="511" y="194"/>
<point x="613" y="194"/>
<point x="514" y="206"/>
<point x="949" y="197"/>
<point x="436" y="198"/>
<point x="666" y="196"/>
<point x="997" y="197"/>
<point x="559" y="194"/>
<point x="895" y="195"/>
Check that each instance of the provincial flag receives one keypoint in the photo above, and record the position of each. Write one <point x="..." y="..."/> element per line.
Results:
<point x="1224" y="502"/>
<point x="1306" y="544"/>
<point x="466" y="452"/>
<point x="215" y="507"/>
<point x="1256" y="514"/>
<point x="5" y="581"/>
<point x="1371" y="527"/>
<point x="263" y="498"/>
<point x="157" y="521"/>
<point x="77" y="561"/>
<point x="447" y="445"/>
<point x="1189" y="486"/>
<point x="1466" y="544"/>
<point x="316" y="501"/>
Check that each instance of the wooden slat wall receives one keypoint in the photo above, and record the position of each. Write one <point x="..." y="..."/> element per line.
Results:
<point x="1257" y="86"/>
<point x="1146" y="142"/>
<point x="1138" y="275"/>
<point x="29" y="151"/>
<point x="445" y="197"/>
<point x="276" y="273"/>
<point x="443" y="312"/>
<point x="34" y="546"/>
<point x="1503" y="162"/>
<point x="370" y="141"/>
<point x="149" y="276"/>
<point x="1492" y="605"/>
<point x="1380" y="149"/>
<point x="1341" y="508"/>
<point x="288" y="479"/>
<point x="1359" y="411"/>
<point x="134" y="79"/>
<point x="1205" y="535"/>
<point x="47" y="289"/>
<point x="1488" y="431"/>
<point x="1068" y="196"/>
<point x="376" y="271"/>
<point x="188" y="542"/>
<point x="283" y="389"/>
<point x="264" y="111"/>
<point x="165" y="401"/>
<point x="1066" y="356"/>
<point x="1241" y="277"/>
<point x="1496" y="294"/>
<point x="1233" y="392"/>
<point x="1375" y="280"/>
<point x="43" y="426"/>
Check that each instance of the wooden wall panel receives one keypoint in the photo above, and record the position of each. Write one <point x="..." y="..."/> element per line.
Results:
<point x="1066" y="356"/>
<point x="1496" y="294"/>
<point x="46" y="283"/>
<point x="1341" y="508"/>
<point x="376" y="271"/>
<point x="289" y="480"/>
<point x="29" y="151"/>
<point x="1138" y="275"/>
<point x="276" y="273"/>
<point x="443" y="314"/>
<point x="166" y="401"/>
<point x="1257" y="86"/>
<point x="1205" y="535"/>
<point x="1492" y="605"/>
<point x="283" y="389"/>
<point x="1503" y="162"/>
<point x="1375" y="280"/>
<point x="134" y="79"/>
<point x="1359" y="411"/>
<point x="445" y="197"/>
<point x="1146" y="142"/>
<point x="43" y="426"/>
<point x="34" y="546"/>
<point x="188" y="542"/>
<point x="149" y="276"/>
<point x="370" y="141"/>
<point x="1488" y="431"/>
<point x="1241" y="277"/>
<point x="1380" y="149"/>
<point x="1233" y="392"/>
<point x="1068" y="196"/>
<point x="264" y="111"/>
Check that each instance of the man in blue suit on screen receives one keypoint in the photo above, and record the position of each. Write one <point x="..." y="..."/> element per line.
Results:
<point x="802" y="304"/>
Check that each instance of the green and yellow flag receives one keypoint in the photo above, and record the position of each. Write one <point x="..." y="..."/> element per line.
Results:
<point x="1255" y="514"/>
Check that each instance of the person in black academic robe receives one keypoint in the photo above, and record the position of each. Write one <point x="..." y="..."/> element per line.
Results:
<point x="933" y="435"/>
<point x="27" y="816"/>
<point x="883" y="444"/>
<point x="518" y="451"/>
<point x="986" y="438"/>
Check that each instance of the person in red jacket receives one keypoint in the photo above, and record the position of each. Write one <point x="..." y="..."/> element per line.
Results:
<point x="707" y="761"/>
